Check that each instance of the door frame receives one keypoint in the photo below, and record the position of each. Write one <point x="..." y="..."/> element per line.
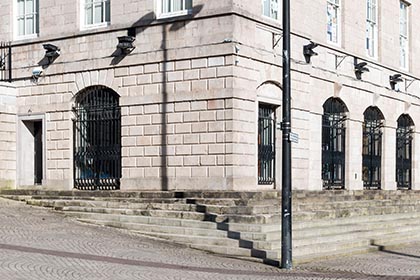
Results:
<point x="20" y="146"/>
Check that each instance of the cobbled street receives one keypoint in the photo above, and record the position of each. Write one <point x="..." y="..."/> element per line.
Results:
<point x="36" y="243"/>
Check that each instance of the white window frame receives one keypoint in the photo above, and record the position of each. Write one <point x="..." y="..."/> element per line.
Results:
<point x="404" y="35"/>
<point x="335" y="5"/>
<point x="35" y="14"/>
<point x="372" y="28"/>
<point x="183" y="12"/>
<point x="273" y="12"/>
<point x="84" y="4"/>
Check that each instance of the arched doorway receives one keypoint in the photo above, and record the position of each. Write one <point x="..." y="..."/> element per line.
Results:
<point x="372" y="148"/>
<point x="404" y="151"/>
<point x="333" y="143"/>
<point x="97" y="139"/>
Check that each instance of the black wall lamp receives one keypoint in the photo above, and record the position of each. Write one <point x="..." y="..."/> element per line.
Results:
<point x="308" y="51"/>
<point x="51" y="52"/>
<point x="360" y="68"/>
<point x="125" y="44"/>
<point x="394" y="80"/>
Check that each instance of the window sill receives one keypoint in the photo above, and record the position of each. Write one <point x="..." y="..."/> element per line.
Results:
<point x="335" y="44"/>
<point x="95" y="26"/>
<point x="270" y="18"/>
<point x="26" y="37"/>
<point x="174" y="14"/>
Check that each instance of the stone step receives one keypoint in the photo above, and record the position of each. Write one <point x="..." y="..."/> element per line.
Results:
<point x="306" y="258"/>
<point x="244" y="195"/>
<point x="365" y="233"/>
<point x="174" y="206"/>
<point x="198" y="240"/>
<point x="133" y="212"/>
<point x="328" y="247"/>
<point x="354" y="194"/>
<point x="352" y="220"/>
<point x="192" y="230"/>
<point x="356" y="212"/>
<point x="231" y="243"/>
<point x="396" y="238"/>
<point x="337" y="229"/>
<point x="299" y="206"/>
<point x="257" y="218"/>
<point x="239" y="252"/>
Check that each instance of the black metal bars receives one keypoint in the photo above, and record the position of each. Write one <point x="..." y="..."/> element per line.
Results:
<point x="5" y="62"/>
<point x="333" y="144"/>
<point x="372" y="148"/>
<point x="97" y="139"/>
<point x="404" y="152"/>
<point x="266" y="145"/>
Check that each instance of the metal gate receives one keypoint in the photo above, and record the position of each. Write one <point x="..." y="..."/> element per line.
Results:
<point x="5" y="62"/>
<point x="372" y="148"/>
<point x="404" y="152"/>
<point x="97" y="139"/>
<point x="333" y="144"/>
<point x="266" y="145"/>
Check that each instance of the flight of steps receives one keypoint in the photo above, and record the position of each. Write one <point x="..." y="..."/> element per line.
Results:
<point x="247" y="224"/>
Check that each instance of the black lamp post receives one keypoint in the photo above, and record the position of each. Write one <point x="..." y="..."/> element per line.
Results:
<point x="286" y="218"/>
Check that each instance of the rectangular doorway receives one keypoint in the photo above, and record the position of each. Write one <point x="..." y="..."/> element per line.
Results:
<point x="38" y="154"/>
<point x="31" y="151"/>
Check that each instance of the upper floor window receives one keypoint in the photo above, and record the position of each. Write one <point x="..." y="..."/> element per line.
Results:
<point x="404" y="38"/>
<point x="168" y="8"/>
<point x="333" y="20"/>
<point x="271" y="8"/>
<point x="372" y="28"/>
<point x="97" y="12"/>
<point x="27" y="17"/>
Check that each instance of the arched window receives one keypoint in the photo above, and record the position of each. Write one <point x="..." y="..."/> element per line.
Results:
<point x="97" y="139"/>
<point x="333" y="143"/>
<point x="372" y="148"/>
<point x="266" y="144"/>
<point x="404" y="151"/>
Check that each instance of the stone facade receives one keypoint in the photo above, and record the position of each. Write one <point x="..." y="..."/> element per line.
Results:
<point x="191" y="89"/>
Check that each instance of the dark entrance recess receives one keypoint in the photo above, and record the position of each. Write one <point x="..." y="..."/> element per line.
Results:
<point x="38" y="154"/>
<point x="97" y="139"/>
<point x="333" y="144"/>
<point x="266" y="145"/>
<point x="372" y="148"/>
<point x="404" y="152"/>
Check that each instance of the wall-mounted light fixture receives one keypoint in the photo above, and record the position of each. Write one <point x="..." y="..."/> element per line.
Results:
<point x="51" y="52"/>
<point x="125" y="44"/>
<point x="394" y="80"/>
<point x="360" y="68"/>
<point x="308" y="51"/>
<point x="36" y="73"/>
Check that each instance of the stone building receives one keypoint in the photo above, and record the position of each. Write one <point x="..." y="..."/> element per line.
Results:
<point x="195" y="101"/>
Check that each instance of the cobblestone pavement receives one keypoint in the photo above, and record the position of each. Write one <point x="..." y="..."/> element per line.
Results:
<point x="36" y="243"/>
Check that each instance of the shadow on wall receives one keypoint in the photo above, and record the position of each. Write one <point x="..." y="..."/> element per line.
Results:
<point x="167" y="25"/>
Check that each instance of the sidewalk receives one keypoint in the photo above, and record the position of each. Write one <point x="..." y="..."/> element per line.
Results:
<point x="38" y="244"/>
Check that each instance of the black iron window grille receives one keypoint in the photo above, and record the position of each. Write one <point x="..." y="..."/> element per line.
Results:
<point x="97" y="139"/>
<point x="5" y="62"/>
<point x="404" y="152"/>
<point x="372" y="148"/>
<point x="334" y="144"/>
<point x="266" y="145"/>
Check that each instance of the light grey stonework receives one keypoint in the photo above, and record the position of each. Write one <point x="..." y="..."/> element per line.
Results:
<point x="190" y="91"/>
